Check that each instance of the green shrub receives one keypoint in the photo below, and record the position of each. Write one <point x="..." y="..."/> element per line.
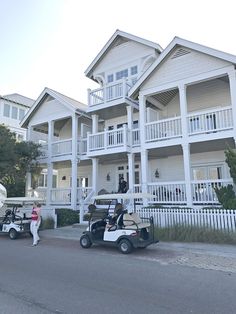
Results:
<point x="226" y="196"/>
<point x="66" y="217"/>
<point x="183" y="233"/>
<point x="47" y="223"/>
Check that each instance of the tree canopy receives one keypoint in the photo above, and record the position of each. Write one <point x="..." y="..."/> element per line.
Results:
<point x="16" y="159"/>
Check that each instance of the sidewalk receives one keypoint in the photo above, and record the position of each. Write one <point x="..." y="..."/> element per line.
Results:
<point x="74" y="233"/>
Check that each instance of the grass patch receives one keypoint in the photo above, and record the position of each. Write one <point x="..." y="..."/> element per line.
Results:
<point x="182" y="233"/>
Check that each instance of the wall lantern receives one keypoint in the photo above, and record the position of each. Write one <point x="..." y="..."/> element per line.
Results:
<point x="157" y="173"/>
<point x="63" y="178"/>
<point x="108" y="177"/>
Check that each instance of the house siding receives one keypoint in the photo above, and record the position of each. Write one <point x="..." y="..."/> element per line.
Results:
<point x="122" y="56"/>
<point x="173" y="70"/>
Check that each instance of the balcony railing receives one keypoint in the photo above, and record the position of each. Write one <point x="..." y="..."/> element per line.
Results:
<point x="135" y="137"/>
<point x="63" y="147"/>
<point x="61" y="196"/>
<point x="163" y="129"/>
<point x="82" y="193"/>
<point x="203" y="190"/>
<point x="108" y="93"/>
<point x="168" y="192"/>
<point x="82" y="146"/>
<point x="108" y="139"/>
<point x="210" y="121"/>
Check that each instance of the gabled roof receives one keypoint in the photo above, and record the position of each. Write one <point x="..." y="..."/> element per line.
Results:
<point x="117" y="37"/>
<point x="71" y="104"/>
<point x="19" y="99"/>
<point x="176" y="42"/>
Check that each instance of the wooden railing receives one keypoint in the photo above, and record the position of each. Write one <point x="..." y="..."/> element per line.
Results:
<point x="203" y="190"/>
<point x="210" y="121"/>
<point x="163" y="129"/>
<point x="63" y="147"/>
<point x="108" y="139"/>
<point x="108" y="93"/>
<point x="168" y="192"/>
<point x="61" y="196"/>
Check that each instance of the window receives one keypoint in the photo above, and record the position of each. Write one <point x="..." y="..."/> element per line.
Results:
<point x="134" y="70"/>
<point x="121" y="74"/>
<point x="110" y="78"/>
<point x="14" y="113"/>
<point x="21" y="114"/>
<point x="6" y="111"/>
<point x="209" y="172"/>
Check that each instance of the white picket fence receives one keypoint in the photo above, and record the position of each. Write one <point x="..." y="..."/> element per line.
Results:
<point x="217" y="219"/>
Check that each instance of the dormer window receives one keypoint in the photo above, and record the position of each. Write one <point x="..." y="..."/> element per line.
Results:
<point x="110" y="78"/>
<point x="134" y="70"/>
<point x="121" y="74"/>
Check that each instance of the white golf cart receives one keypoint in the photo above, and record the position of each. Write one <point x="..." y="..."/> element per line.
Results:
<point x="15" y="215"/>
<point x="123" y="230"/>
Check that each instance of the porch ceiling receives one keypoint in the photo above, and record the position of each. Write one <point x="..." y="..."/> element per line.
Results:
<point x="112" y="111"/>
<point x="165" y="97"/>
<point x="210" y="146"/>
<point x="163" y="152"/>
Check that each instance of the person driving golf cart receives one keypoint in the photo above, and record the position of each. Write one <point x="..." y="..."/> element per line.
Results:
<point x="117" y="212"/>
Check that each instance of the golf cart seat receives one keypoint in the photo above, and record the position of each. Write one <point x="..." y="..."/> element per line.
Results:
<point x="133" y="221"/>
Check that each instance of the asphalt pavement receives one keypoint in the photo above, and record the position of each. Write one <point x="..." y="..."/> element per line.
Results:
<point x="74" y="232"/>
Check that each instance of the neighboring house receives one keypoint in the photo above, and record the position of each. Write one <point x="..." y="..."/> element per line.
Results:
<point x="160" y="118"/>
<point x="13" y="108"/>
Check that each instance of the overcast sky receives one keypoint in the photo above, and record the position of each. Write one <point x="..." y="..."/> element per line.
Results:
<point x="50" y="43"/>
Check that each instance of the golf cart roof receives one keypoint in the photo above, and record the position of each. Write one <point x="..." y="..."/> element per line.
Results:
<point x="22" y="200"/>
<point x="123" y="196"/>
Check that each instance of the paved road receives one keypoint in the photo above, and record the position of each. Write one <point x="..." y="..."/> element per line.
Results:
<point x="200" y="255"/>
<point x="60" y="277"/>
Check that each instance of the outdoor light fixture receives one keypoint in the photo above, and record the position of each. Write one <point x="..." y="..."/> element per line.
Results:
<point x="108" y="177"/>
<point x="157" y="173"/>
<point x="63" y="178"/>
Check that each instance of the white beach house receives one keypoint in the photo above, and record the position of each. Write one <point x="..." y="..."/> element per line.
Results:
<point x="160" y="118"/>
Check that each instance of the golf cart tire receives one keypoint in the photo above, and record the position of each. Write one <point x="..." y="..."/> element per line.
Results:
<point x="13" y="234"/>
<point x="125" y="246"/>
<point x="85" y="241"/>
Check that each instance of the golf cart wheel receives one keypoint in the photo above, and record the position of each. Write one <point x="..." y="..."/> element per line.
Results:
<point x="13" y="234"/>
<point x="125" y="246"/>
<point x="85" y="242"/>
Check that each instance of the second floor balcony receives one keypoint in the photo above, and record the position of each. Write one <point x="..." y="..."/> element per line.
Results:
<point x="207" y="123"/>
<point x="108" y="93"/>
<point x="118" y="140"/>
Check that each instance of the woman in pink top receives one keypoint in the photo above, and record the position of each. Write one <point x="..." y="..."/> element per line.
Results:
<point x="35" y="223"/>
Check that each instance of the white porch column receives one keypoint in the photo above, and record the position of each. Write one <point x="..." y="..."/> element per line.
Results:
<point x="187" y="173"/>
<point x="232" y="83"/>
<point x="144" y="169"/>
<point x="50" y="138"/>
<point x="74" y="135"/>
<point x="74" y="171"/>
<point x="183" y="111"/>
<point x="50" y="164"/>
<point x="130" y="111"/>
<point x="95" y="174"/>
<point x="185" y="144"/>
<point x="49" y="183"/>
<point x="131" y="171"/>
<point x="94" y="123"/>
<point x="142" y="119"/>
<point x="144" y="152"/>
